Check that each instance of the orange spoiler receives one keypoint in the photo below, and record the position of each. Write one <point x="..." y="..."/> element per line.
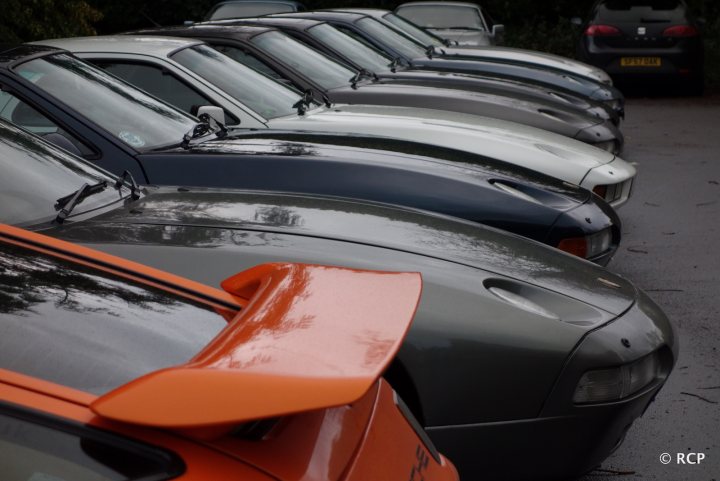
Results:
<point x="311" y="337"/>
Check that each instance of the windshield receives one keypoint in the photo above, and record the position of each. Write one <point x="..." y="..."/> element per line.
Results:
<point x="406" y="47"/>
<point x="413" y="30"/>
<point x="443" y="16"/>
<point x="134" y="117"/>
<point x="357" y="52"/>
<point x="322" y="70"/>
<point x="258" y="92"/>
<point x="35" y="174"/>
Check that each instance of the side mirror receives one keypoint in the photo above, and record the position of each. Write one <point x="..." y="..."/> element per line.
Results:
<point x="216" y="113"/>
<point x="498" y="30"/>
<point x="576" y="21"/>
<point x="188" y="23"/>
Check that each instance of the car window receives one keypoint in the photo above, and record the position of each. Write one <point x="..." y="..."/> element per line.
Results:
<point x="93" y="331"/>
<point x="36" y="447"/>
<point x="258" y="92"/>
<point x="249" y="9"/>
<point x="20" y="113"/>
<point x="162" y="84"/>
<point x="349" y="46"/>
<point x="35" y="175"/>
<point x="640" y="11"/>
<point x="413" y="30"/>
<point x="319" y="68"/>
<point x="246" y="58"/>
<point x="386" y="35"/>
<point x="127" y="113"/>
<point x="443" y="16"/>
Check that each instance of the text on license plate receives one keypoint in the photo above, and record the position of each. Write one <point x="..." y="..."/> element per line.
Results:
<point x="640" y="62"/>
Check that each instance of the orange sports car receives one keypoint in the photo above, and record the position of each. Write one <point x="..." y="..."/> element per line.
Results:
<point x="110" y="370"/>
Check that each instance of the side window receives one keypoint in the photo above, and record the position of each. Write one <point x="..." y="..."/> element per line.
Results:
<point x="249" y="59"/>
<point x="35" y="447"/>
<point x="29" y="118"/>
<point x="162" y="85"/>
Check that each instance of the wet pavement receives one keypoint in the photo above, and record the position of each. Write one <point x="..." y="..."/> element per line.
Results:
<point x="671" y="249"/>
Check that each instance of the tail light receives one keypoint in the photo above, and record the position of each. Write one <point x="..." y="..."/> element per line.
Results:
<point x="681" y="31"/>
<point x="602" y="31"/>
<point x="589" y="246"/>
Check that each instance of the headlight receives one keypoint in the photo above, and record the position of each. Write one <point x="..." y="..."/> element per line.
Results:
<point x="613" y="384"/>
<point x="589" y="246"/>
<point x="610" y="193"/>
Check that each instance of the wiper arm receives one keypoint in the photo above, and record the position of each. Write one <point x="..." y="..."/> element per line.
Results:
<point x="397" y="62"/>
<point x="326" y="99"/>
<point x="361" y="74"/>
<point x="207" y="125"/>
<point x="134" y="189"/>
<point x="304" y="103"/>
<point x="66" y="204"/>
<point x="429" y="51"/>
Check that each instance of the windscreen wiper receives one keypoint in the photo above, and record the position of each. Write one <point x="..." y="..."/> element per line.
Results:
<point x="304" y="103"/>
<point x="361" y="74"/>
<point x="207" y="125"/>
<point x="66" y="204"/>
<point x="134" y="189"/>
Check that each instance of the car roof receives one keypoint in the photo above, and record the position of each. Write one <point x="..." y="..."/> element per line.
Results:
<point x="211" y="29"/>
<point x="295" y="22"/>
<point x="439" y="4"/>
<point x="16" y="53"/>
<point x="324" y="14"/>
<point x="148" y="45"/>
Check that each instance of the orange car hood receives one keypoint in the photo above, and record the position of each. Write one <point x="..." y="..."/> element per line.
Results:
<point x="310" y="337"/>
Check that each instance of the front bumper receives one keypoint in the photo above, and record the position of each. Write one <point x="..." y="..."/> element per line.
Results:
<point x="568" y="440"/>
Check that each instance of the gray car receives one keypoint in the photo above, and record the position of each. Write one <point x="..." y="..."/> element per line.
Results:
<point x="519" y="354"/>
<point x="460" y="22"/>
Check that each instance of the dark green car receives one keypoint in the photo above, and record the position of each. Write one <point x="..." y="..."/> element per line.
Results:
<point x="519" y="353"/>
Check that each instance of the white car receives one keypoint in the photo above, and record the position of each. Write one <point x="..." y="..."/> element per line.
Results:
<point x="187" y="73"/>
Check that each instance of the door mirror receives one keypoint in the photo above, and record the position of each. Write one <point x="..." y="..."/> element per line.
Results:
<point x="216" y="113"/>
<point x="498" y="30"/>
<point x="576" y="21"/>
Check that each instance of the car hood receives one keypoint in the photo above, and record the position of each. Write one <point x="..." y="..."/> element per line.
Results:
<point x="536" y="149"/>
<point x="507" y="54"/>
<point x="482" y="103"/>
<point x="204" y="214"/>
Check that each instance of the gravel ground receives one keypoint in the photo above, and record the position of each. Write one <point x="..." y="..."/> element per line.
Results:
<point x="671" y="249"/>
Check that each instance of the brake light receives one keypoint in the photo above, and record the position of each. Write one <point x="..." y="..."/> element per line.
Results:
<point x="681" y="31"/>
<point x="602" y="31"/>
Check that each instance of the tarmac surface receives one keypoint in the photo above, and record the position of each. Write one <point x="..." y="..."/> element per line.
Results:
<point x="671" y="249"/>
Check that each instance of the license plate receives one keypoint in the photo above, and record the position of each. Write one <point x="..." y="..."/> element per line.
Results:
<point x="640" y="62"/>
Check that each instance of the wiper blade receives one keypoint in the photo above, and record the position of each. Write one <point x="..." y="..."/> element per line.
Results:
<point x="134" y="189"/>
<point x="66" y="204"/>
<point x="429" y="51"/>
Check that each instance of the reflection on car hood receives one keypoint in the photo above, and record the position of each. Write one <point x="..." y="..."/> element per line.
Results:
<point x="536" y="149"/>
<point x="530" y="56"/>
<point x="413" y="156"/>
<point x="215" y="211"/>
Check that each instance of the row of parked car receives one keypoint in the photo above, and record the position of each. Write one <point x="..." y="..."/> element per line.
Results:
<point x="421" y="232"/>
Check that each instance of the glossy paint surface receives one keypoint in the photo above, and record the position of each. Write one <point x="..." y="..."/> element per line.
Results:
<point x="312" y="337"/>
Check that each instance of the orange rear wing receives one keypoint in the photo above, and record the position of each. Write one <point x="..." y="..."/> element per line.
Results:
<point x="310" y="337"/>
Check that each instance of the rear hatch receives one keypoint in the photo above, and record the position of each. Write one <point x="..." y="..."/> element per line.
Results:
<point x="641" y="23"/>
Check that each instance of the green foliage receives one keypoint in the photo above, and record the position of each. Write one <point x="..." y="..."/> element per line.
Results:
<point x="27" y="20"/>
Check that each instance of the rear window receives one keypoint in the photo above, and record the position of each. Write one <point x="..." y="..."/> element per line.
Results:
<point x="640" y="11"/>
<point x="90" y="330"/>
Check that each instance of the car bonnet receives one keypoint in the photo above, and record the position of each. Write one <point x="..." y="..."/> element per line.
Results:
<point x="549" y="153"/>
<point x="405" y="230"/>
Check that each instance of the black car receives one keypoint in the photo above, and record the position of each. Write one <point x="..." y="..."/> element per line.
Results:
<point x="415" y="55"/>
<point x="645" y="40"/>
<point x="93" y="114"/>
<point x="522" y="362"/>
<point x="279" y="56"/>
<point x="359" y="55"/>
